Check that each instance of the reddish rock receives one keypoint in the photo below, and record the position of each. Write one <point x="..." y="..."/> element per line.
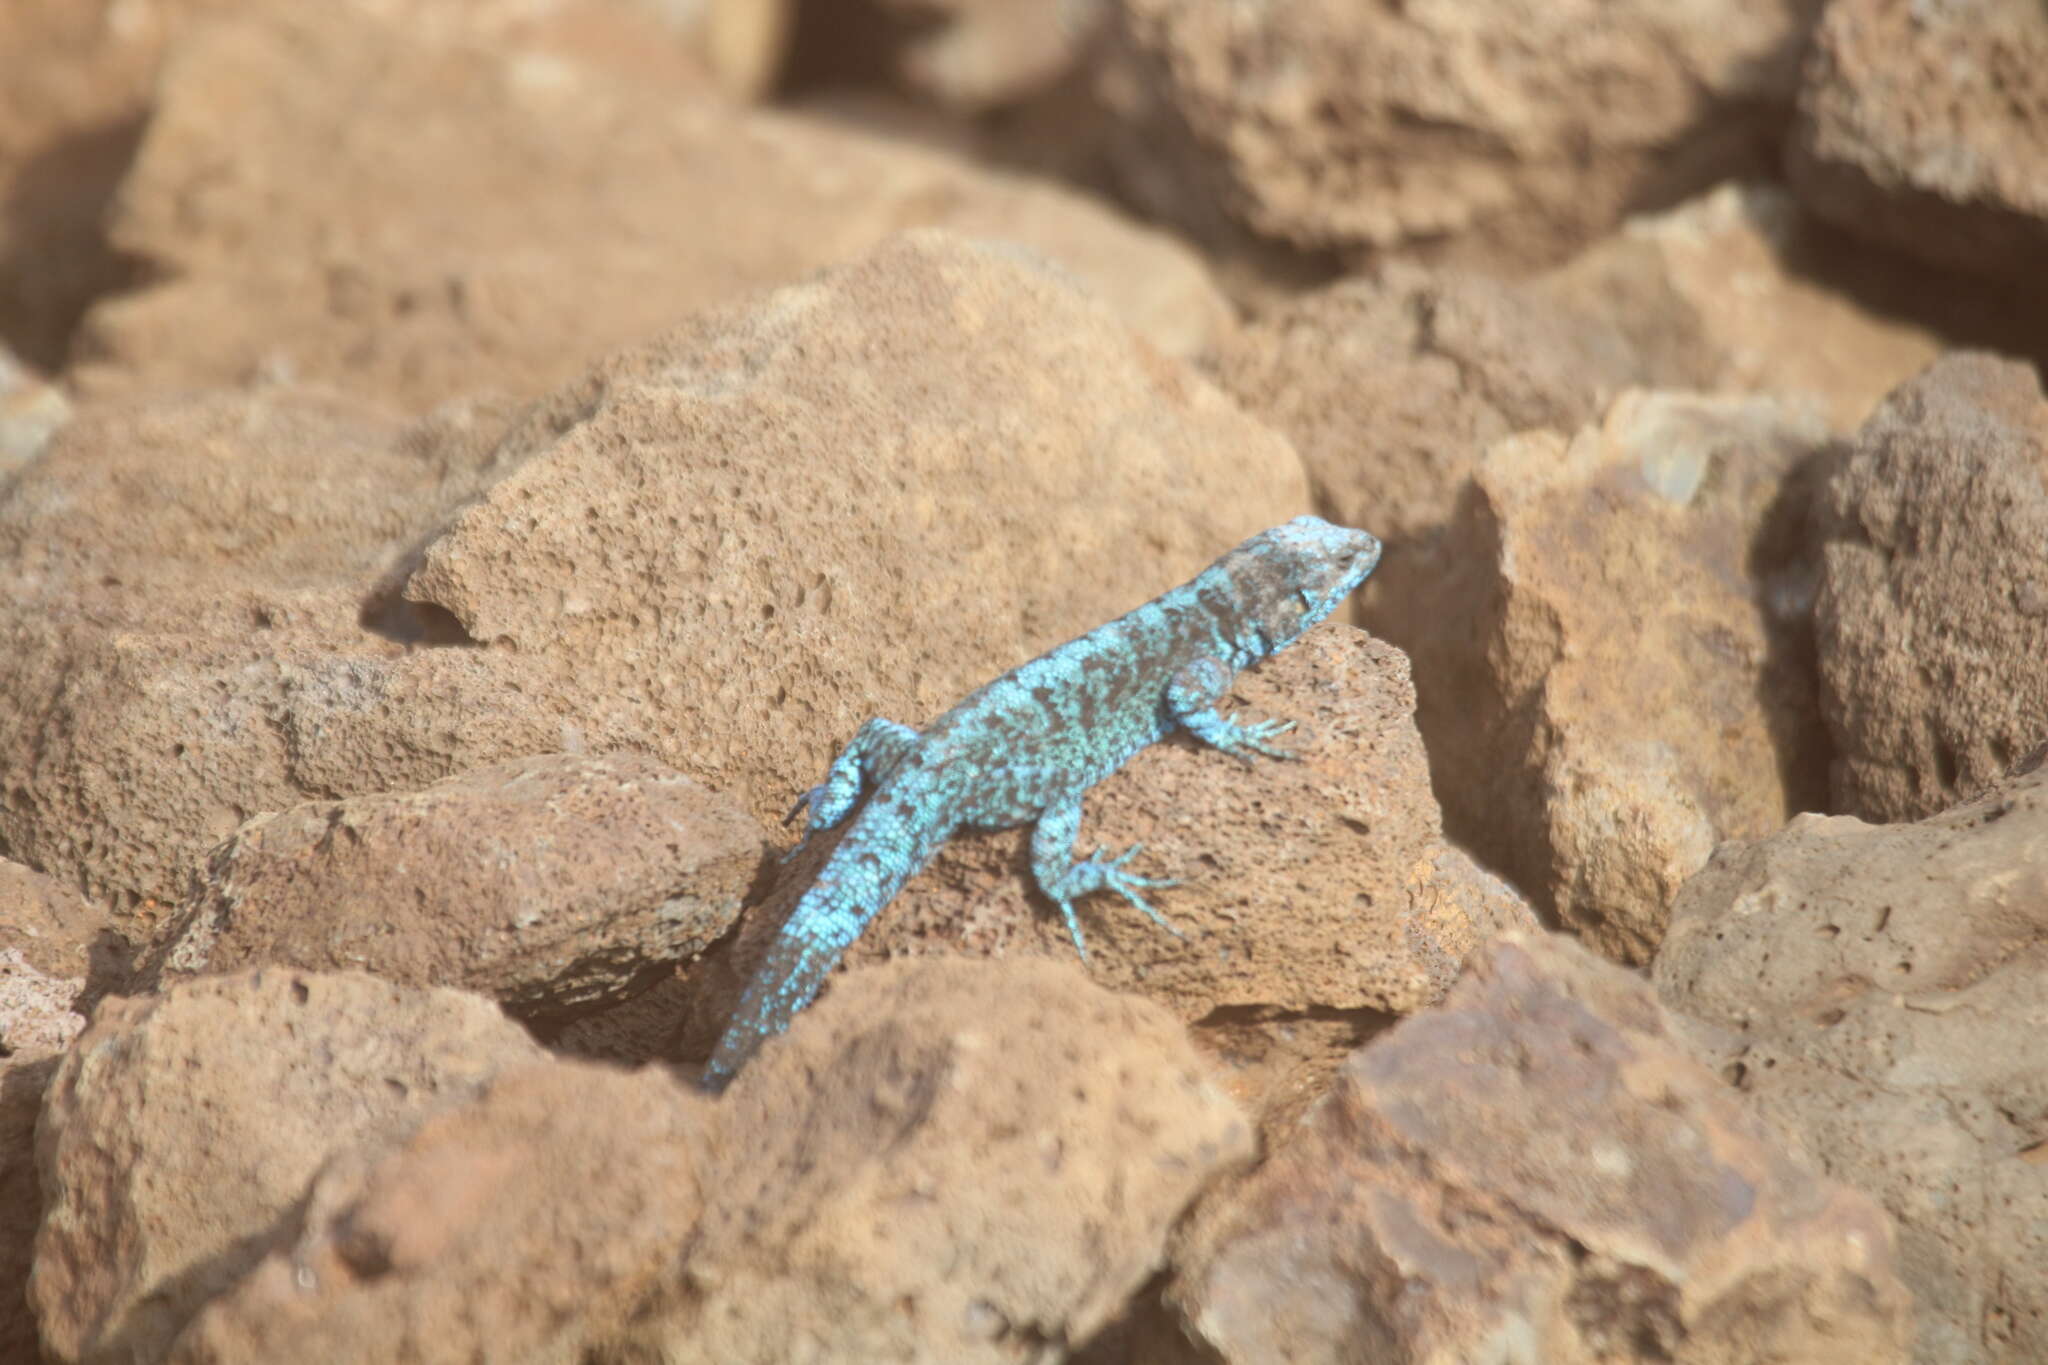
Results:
<point x="525" y="1226"/>
<point x="1511" y="131"/>
<point x="1877" y="992"/>
<point x="957" y="1161"/>
<point x="1305" y="888"/>
<point x="554" y="885"/>
<point x="1925" y="127"/>
<point x="181" y="1128"/>
<point x="23" y="1078"/>
<point x="1535" y="1170"/>
<point x="1619" y="678"/>
<point x="393" y="176"/>
<point x="1933" y="613"/>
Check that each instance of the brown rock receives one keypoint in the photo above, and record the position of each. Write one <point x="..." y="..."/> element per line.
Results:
<point x="1619" y="678"/>
<point x="1925" y="127"/>
<point x="1740" y="291"/>
<point x="871" y="489"/>
<point x="1534" y="1170"/>
<point x="408" y="255"/>
<point x="79" y="74"/>
<point x="23" y="1078"/>
<point x="1525" y="131"/>
<point x="1305" y="887"/>
<point x="947" y="1161"/>
<point x="47" y="923"/>
<point x="181" y="1128"/>
<point x="1933" y="612"/>
<point x="1877" y="992"/>
<point x="971" y="55"/>
<point x="554" y="885"/>
<point x="521" y="1227"/>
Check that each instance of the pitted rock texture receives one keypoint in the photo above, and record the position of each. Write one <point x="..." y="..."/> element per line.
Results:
<point x="1535" y="1170"/>
<point x="848" y="484"/>
<point x="722" y="548"/>
<point x="1933" y="614"/>
<point x="1306" y="887"/>
<point x="1620" y="676"/>
<point x="555" y="885"/>
<point x="23" y="1078"/>
<point x="1526" y="130"/>
<point x="181" y="1128"/>
<point x="946" y="1161"/>
<point x="1877" y="992"/>
<point x="37" y="1011"/>
<point x="525" y="1226"/>
<point x="1925" y="127"/>
<point x="1724" y="293"/>
<point x="408" y="256"/>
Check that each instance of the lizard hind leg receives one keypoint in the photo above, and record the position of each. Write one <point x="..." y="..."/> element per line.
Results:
<point x="1052" y="849"/>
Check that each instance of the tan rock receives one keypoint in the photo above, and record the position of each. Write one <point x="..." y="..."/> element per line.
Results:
<point x="876" y="489"/>
<point x="1523" y="130"/>
<point x="30" y="413"/>
<point x="181" y="1128"/>
<point x="1535" y="1170"/>
<point x="1305" y="887"/>
<point x="1877" y="992"/>
<point x="1741" y="291"/>
<point x="1932" y="619"/>
<point x="51" y="926"/>
<point x="554" y="885"/>
<point x="440" y="219"/>
<point x="524" y="1226"/>
<point x="946" y="1161"/>
<point x="79" y="75"/>
<point x="36" y="1010"/>
<point x="971" y="55"/>
<point x="1925" y="127"/>
<point x="1617" y="680"/>
<point x="23" y="1078"/>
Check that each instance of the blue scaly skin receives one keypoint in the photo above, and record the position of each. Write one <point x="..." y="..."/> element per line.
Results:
<point x="1025" y="748"/>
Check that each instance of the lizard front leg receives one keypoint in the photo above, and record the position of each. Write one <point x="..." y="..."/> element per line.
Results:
<point x="878" y="747"/>
<point x="1052" y="848"/>
<point x="1192" y="694"/>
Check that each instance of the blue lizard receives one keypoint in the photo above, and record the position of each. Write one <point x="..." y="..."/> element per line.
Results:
<point x="1026" y="747"/>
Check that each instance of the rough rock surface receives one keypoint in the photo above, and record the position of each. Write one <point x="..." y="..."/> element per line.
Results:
<point x="51" y="927"/>
<point x="36" y="1010"/>
<point x="1877" y="992"/>
<point x="183" y="642"/>
<point x="1932" y="620"/>
<point x="722" y="548"/>
<point x="409" y="255"/>
<point x="553" y="884"/>
<point x="1393" y="386"/>
<point x="947" y="1161"/>
<point x="522" y="1227"/>
<point x="23" y="1078"/>
<point x="80" y="74"/>
<point x="1925" y="127"/>
<point x="181" y="1128"/>
<point x="1305" y="887"/>
<point x="1619" y="677"/>
<point x="1535" y="1170"/>
<point x="1740" y="291"/>
<point x="1328" y="124"/>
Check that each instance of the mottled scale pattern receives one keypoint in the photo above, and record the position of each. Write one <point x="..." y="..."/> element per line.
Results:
<point x="1025" y="748"/>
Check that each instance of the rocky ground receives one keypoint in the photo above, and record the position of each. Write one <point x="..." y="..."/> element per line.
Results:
<point x="465" y="464"/>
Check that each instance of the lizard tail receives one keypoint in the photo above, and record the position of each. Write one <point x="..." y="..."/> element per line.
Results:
<point x="861" y="876"/>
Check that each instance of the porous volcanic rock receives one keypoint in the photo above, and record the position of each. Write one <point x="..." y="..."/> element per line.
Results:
<point x="946" y="1161"/>
<point x="1925" y="127"/>
<point x="1932" y="620"/>
<point x="181" y="1129"/>
<point x="524" y="1226"/>
<point x="1536" y="1170"/>
<point x="1620" y="676"/>
<point x="438" y="218"/>
<point x="555" y="884"/>
<point x="1877" y="992"/>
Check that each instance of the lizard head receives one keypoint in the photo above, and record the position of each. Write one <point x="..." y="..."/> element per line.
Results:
<point x="1291" y="577"/>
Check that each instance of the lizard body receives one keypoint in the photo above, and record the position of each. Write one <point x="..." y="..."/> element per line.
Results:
<point x="1024" y="748"/>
